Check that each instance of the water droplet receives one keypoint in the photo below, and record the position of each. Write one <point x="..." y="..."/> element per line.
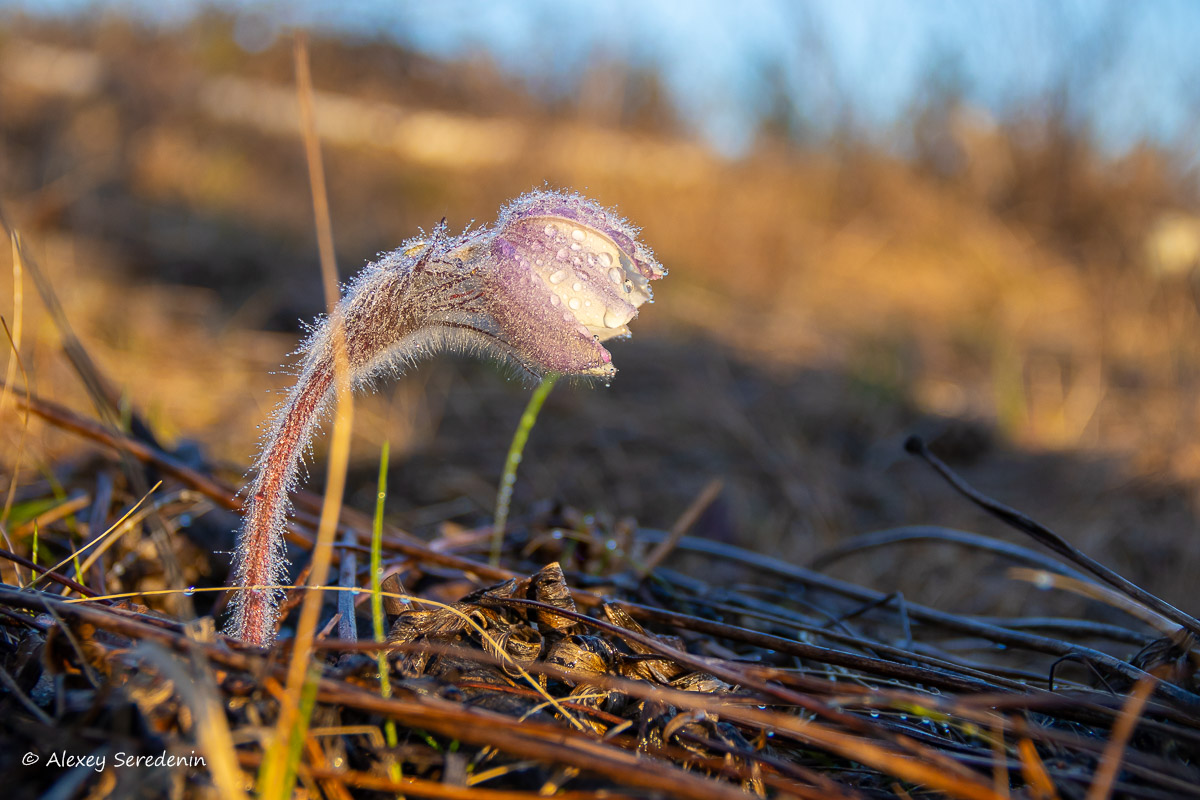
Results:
<point x="554" y="300"/>
<point x="184" y="520"/>
<point x="561" y="255"/>
<point x="578" y="235"/>
<point x="516" y="459"/>
<point x="559" y="276"/>
<point x="189" y="591"/>
<point x="573" y="303"/>
<point x="556" y="534"/>
<point x="576" y="246"/>
<point x="904" y="717"/>
<point x="611" y="544"/>
<point x="628" y="287"/>
<point x="354" y="590"/>
<point x="874" y="715"/>
<point x="549" y="230"/>
<point x="606" y="259"/>
<point x="510" y="479"/>
<point x="614" y="318"/>
<point x="577" y="286"/>
<point x="614" y="275"/>
<point x="567" y="317"/>
<point x="587" y="303"/>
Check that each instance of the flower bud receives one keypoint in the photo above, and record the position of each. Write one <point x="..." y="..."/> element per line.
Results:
<point x="572" y="275"/>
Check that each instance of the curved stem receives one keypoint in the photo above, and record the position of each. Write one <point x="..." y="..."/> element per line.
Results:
<point x="261" y="549"/>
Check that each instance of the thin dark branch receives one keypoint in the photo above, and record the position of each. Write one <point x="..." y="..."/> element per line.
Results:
<point x="1052" y="540"/>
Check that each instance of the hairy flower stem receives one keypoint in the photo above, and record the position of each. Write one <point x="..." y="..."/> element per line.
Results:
<point x="259" y="548"/>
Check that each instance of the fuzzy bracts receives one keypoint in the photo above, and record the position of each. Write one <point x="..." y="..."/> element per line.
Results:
<point x="554" y="277"/>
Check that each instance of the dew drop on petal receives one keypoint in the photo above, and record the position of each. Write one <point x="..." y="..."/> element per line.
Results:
<point x="558" y="277"/>
<point x="554" y="300"/>
<point x="614" y="319"/>
<point x="549" y="230"/>
<point x="577" y="235"/>
<point x="568" y="316"/>
<point x="614" y="275"/>
<point x="561" y="255"/>
<point x="189" y="591"/>
<point x="576" y="245"/>
<point x="577" y="286"/>
<point x="573" y="303"/>
<point x="606" y="259"/>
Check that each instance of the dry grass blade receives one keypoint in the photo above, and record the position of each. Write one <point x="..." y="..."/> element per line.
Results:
<point x="1110" y="762"/>
<point x="686" y="520"/>
<point x="15" y="363"/>
<point x="339" y="449"/>
<point x="115" y="526"/>
<point x="196" y="688"/>
<point x="1086" y="588"/>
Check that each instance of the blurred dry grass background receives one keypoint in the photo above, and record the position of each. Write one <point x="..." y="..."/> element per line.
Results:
<point x="1027" y="304"/>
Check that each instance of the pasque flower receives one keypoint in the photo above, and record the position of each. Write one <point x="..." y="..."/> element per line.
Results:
<point x="554" y="277"/>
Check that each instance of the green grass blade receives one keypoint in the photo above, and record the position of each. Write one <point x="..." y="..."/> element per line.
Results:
<point x="508" y="478"/>
<point x="385" y="685"/>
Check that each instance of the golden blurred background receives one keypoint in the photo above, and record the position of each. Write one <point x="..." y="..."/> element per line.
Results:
<point x="1006" y="286"/>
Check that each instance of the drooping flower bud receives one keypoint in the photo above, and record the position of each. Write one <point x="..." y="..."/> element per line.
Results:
<point x="542" y="288"/>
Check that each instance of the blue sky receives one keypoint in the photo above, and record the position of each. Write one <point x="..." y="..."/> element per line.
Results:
<point x="1132" y="67"/>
